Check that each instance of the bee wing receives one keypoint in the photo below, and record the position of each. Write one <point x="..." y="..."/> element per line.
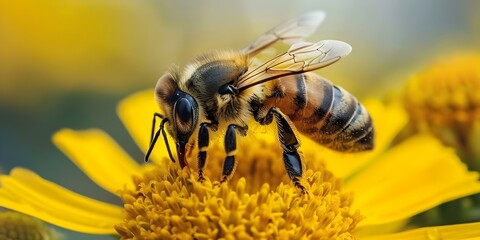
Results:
<point x="301" y="57"/>
<point x="290" y="31"/>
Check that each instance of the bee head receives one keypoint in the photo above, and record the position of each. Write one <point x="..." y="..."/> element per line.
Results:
<point x="181" y="109"/>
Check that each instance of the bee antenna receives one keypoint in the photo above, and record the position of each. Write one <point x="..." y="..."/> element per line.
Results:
<point x="154" y="136"/>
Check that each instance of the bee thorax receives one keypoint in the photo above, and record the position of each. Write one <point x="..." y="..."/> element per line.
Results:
<point x="231" y="109"/>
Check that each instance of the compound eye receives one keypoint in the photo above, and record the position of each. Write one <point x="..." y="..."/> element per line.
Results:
<point x="184" y="110"/>
<point x="184" y="116"/>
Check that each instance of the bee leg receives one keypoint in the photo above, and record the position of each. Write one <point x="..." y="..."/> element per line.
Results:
<point x="290" y="145"/>
<point x="230" y="148"/>
<point x="264" y="116"/>
<point x="154" y="136"/>
<point x="203" y="140"/>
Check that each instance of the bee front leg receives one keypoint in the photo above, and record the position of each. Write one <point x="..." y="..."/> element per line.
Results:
<point x="230" y="148"/>
<point x="290" y="145"/>
<point x="203" y="140"/>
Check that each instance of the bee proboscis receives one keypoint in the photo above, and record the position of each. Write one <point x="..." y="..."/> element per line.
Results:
<point x="224" y="89"/>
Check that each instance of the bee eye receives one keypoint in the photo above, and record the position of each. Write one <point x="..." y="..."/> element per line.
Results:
<point x="184" y="110"/>
<point x="185" y="115"/>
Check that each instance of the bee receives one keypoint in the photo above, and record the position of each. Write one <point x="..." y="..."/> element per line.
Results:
<point x="225" y="90"/>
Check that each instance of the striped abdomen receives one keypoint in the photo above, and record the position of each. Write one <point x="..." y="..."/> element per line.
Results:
<point x="326" y="113"/>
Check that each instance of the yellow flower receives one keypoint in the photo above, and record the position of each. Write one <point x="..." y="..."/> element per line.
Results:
<point x="18" y="226"/>
<point x="446" y="93"/>
<point x="444" y="99"/>
<point x="376" y="191"/>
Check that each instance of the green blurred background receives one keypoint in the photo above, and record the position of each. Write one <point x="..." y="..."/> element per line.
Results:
<point x="67" y="63"/>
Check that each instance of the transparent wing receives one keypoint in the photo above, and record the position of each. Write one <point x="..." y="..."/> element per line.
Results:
<point x="291" y="31"/>
<point x="301" y="57"/>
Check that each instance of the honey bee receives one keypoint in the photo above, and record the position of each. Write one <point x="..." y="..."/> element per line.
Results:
<point x="224" y="90"/>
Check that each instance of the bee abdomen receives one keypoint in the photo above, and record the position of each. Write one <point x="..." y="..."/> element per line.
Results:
<point x="342" y="111"/>
<point x="326" y="113"/>
<point x="356" y="136"/>
<point x="347" y="126"/>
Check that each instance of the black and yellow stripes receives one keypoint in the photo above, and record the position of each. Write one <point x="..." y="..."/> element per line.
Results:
<point x="322" y="108"/>
<point x="300" y="99"/>
<point x="326" y="113"/>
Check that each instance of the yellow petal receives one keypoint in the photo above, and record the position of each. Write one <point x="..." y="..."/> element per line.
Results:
<point x="26" y="192"/>
<point x="410" y="178"/>
<point x="99" y="156"/>
<point x="136" y="113"/>
<point x="469" y="231"/>
<point x="381" y="229"/>
<point x="388" y="120"/>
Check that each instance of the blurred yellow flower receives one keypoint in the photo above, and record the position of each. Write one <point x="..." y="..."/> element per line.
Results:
<point x="15" y="225"/>
<point x="446" y="93"/>
<point x="376" y="192"/>
<point x="444" y="99"/>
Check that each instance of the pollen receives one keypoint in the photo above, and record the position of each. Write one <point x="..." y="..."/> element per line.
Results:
<point x="17" y="226"/>
<point x="446" y="93"/>
<point x="169" y="203"/>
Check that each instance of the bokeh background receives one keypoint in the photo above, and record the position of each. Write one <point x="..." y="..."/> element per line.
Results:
<point x="67" y="63"/>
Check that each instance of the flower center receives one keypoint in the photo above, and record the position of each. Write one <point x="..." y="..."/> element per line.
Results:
<point x="18" y="226"/>
<point x="257" y="203"/>
<point x="447" y="93"/>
